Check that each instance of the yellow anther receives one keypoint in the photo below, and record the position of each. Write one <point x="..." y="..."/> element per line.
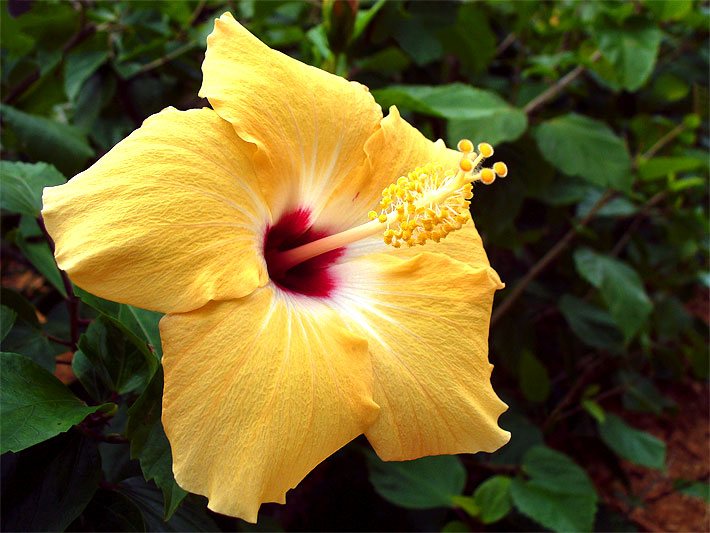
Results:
<point x="432" y="201"/>
<point x="485" y="149"/>
<point x="423" y="205"/>
<point x="488" y="176"/>
<point x="465" y="146"/>
<point x="501" y="169"/>
<point x="466" y="164"/>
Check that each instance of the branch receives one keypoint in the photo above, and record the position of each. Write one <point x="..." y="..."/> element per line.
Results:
<point x="557" y="88"/>
<point x="573" y="392"/>
<point x="636" y="222"/>
<point x="167" y="58"/>
<point x="549" y="257"/>
<point x="505" y="43"/>
<point x="84" y="33"/>
<point x="663" y="141"/>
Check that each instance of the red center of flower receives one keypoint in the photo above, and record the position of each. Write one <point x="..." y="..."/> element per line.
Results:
<point x="312" y="277"/>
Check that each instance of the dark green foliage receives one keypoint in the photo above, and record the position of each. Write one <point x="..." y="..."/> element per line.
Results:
<point x="557" y="494"/>
<point x="637" y="446"/>
<point x="600" y="232"/>
<point x="46" y="487"/>
<point x="150" y="445"/>
<point x="422" y="484"/>
<point x="35" y="405"/>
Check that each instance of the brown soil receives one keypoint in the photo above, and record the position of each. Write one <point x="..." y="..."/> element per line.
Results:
<point x="650" y="500"/>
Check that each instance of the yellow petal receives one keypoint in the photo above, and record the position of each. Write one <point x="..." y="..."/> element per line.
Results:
<point x="464" y="245"/>
<point x="395" y="150"/>
<point x="310" y="127"/>
<point x="426" y="319"/>
<point x="258" y="391"/>
<point x="169" y="219"/>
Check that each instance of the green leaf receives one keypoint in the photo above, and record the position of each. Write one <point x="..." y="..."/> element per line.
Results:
<point x="47" y="140"/>
<point x="467" y="504"/>
<point x="22" y="185"/>
<point x="670" y="87"/>
<point x="663" y="167"/>
<point x="637" y="446"/>
<point x="140" y="325"/>
<point x="455" y="526"/>
<point x="79" y="65"/>
<point x="143" y="323"/>
<point x="26" y="335"/>
<point x="584" y="147"/>
<point x="423" y="483"/>
<point x="471" y="39"/>
<point x="106" y="357"/>
<point x="51" y="484"/>
<point x="558" y="494"/>
<point x="190" y="516"/>
<point x="110" y="510"/>
<point x="364" y="17"/>
<point x="7" y="320"/>
<point x="593" y="326"/>
<point x="595" y="410"/>
<point x="493" y="499"/>
<point x="669" y="9"/>
<point x="34" y="405"/>
<point x="474" y="113"/>
<point x="641" y="395"/>
<point x="632" y="51"/>
<point x="33" y="244"/>
<point x="616" y="207"/>
<point x="698" y="489"/>
<point x="417" y="39"/>
<point x="150" y="445"/>
<point x="533" y="377"/>
<point x="620" y="286"/>
<point x="388" y="61"/>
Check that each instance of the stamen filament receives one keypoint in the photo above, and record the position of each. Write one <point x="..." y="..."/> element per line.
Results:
<point x="290" y="258"/>
<point x="415" y="206"/>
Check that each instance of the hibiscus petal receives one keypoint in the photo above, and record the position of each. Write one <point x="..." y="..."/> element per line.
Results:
<point x="169" y="219"/>
<point x="463" y="245"/>
<point x="310" y="127"/>
<point x="426" y="319"/>
<point x="258" y="391"/>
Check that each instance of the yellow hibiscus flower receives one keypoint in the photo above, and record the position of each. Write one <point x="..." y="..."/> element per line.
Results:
<point x="292" y="326"/>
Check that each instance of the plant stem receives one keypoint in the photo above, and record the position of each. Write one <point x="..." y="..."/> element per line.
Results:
<point x="85" y="31"/>
<point x="549" y="257"/>
<point x="57" y="340"/>
<point x="557" y="88"/>
<point x="636" y="222"/>
<point x="505" y="43"/>
<point x="165" y="59"/>
<point x="663" y="141"/>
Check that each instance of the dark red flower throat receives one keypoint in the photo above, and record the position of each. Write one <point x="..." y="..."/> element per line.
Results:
<point x="312" y="277"/>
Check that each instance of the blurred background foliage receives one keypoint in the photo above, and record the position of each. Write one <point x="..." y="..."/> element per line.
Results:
<point x="600" y="232"/>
